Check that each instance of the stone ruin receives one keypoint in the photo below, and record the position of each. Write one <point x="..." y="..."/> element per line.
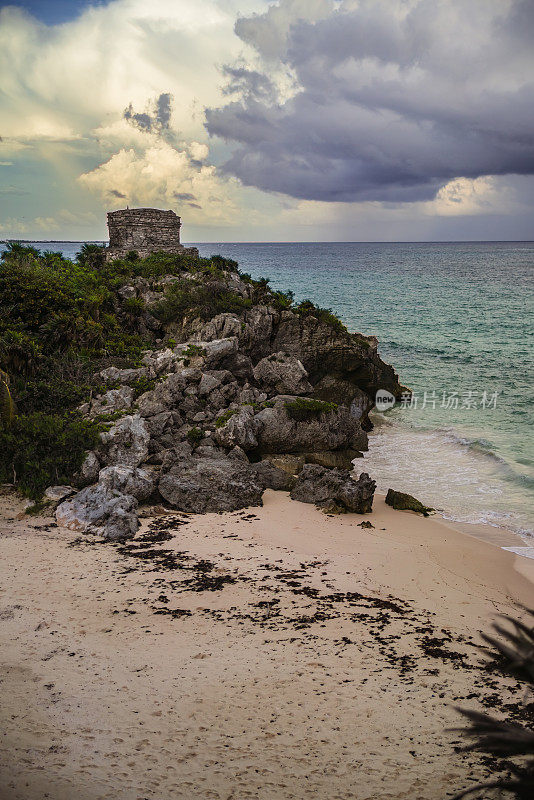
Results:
<point x="144" y="231"/>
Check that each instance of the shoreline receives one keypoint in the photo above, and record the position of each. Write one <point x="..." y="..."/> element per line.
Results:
<point x="411" y="476"/>
<point x="274" y="652"/>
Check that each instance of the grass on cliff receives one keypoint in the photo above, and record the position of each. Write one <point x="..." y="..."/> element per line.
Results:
<point x="305" y="409"/>
<point x="62" y="321"/>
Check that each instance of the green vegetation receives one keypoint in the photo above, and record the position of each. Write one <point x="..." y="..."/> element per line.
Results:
<point x="42" y="449"/>
<point x="194" y="436"/>
<point x="224" y="417"/>
<point x="142" y="385"/>
<point x="64" y="321"/>
<point x="303" y="409"/>
<point x="194" y="350"/>
<point x="196" y="298"/>
<point x="308" y="309"/>
<point x="7" y="406"/>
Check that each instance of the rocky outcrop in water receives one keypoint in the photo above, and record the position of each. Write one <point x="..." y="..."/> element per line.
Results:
<point x="406" y="502"/>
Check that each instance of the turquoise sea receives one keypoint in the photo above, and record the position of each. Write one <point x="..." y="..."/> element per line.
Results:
<point x="456" y="321"/>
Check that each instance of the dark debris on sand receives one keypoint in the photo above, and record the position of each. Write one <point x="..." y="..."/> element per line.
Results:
<point x="280" y="599"/>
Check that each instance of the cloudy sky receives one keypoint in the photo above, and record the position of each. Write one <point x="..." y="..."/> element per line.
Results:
<point x="258" y="120"/>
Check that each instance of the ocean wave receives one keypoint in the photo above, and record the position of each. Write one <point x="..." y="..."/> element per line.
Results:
<point x="473" y="476"/>
<point x="487" y="449"/>
<point x="477" y="445"/>
<point x="444" y="354"/>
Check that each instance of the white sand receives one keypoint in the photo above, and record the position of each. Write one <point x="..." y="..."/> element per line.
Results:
<point x="236" y="700"/>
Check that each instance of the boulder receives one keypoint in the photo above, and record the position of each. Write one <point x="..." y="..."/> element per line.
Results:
<point x="211" y="483"/>
<point x="140" y="483"/>
<point x="219" y="349"/>
<point x="112" y="402"/>
<point x="239" y="429"/>
<point x="319" y="427"/>
<point x="223" y="326"/>
<point x="405" y="502"/>
<point x="208" y="383"/>
<point x="126" y="443"/>
<point x="337" y="390"/>
<point x="56" y="493"/>
<point x="101" y="511"/>
<point x="328" y="487"/>
<point x="167" y="394"/>
<point x="255" y="336"/>
<point x="340" y="459"/>
<point x="282" y="374"/>
<point x="124" y="375"/>
<point x="89" y="470"/>
<point x="288" y="462"/>
<point x="161" y="360"/>
<point x="273" y="477"/>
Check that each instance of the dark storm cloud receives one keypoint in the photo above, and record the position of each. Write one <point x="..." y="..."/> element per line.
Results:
<point x="393" y="99"/>
<point x="116" y="193"/>
<point x="184" y="196"/>
<point x="155" y="119"/>
<point x="248" y="82"/>
<point x="163" y="110"/>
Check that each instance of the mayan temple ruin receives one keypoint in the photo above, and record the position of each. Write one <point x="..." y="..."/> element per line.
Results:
<point x="144" y="231"/>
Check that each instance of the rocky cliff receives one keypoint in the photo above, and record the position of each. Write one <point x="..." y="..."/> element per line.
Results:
<point x="237" y="400"/>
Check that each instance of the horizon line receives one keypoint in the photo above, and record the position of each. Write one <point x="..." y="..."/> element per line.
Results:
<point x="301" y="241"/>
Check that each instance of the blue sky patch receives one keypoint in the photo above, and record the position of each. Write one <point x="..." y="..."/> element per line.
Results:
<point x="53" y="12"/>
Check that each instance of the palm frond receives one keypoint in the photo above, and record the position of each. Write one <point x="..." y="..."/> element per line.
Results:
<point x="514" y="646"/>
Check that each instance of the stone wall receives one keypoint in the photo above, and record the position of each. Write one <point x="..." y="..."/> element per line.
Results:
<point x="146" y="231"/>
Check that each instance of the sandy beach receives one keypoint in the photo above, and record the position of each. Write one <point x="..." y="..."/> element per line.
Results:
<point x="269" y="653"/>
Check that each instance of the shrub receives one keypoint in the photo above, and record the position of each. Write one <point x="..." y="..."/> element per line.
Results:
<point x="194" y="436"/>
<point x="7" y="407"/>
<point x="43" y="449"/>
<point x="204" y="300"/>
<point x="91" y="256"/>
<point x="194" y="350"/>
<point x="308" y="309"/>
<point x="224" y="417"/>
<point x="303" y="409"/>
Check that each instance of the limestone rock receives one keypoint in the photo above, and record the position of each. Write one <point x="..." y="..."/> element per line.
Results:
<point x="161" y="360"/>
<point x="211" y="483"/>
<point x="332" y="429"/>
<point x="219" y="349"/>
<point x="326" y="350"/>
<point x="112" y="402"/>
<point x="337" y="390"/>
<point x="273" y="477"/>
<point x="340" y="459"/>
<point x="101" y="511"/>
<point x="56" y="493"/>
<point x="125" y="375"/>
<point x="405" y="502"/>
<point x="167" y="394"/>
<point x="282" y="374"/>
<point x="240" y="430"/>
<point x="222" y="326"/>
<point x="126" y="443"/>
<point x="325" y="487"/>
<point x="140" y="483"/>
<point x="89" y="470"/>
<point x="288" y="462"/>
